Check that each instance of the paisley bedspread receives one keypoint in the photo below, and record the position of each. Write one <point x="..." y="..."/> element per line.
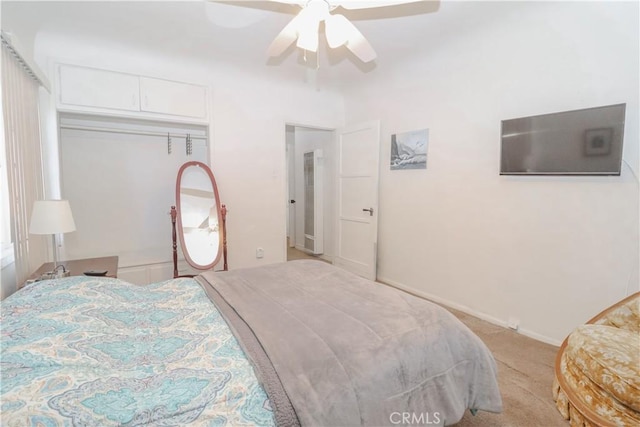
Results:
<point x="100" y="351"/>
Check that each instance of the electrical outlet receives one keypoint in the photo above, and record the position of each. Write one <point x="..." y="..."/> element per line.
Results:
<point x="513" y="323"/>
<point x="259" y="253"/>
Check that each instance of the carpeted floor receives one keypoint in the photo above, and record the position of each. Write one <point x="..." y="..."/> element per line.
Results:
<point x="525" y="374"/>
<point x="293" y="254"/>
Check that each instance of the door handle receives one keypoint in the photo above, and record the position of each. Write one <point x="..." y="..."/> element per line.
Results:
<point x="292" y="201"/>
<point x="370" y="210"/>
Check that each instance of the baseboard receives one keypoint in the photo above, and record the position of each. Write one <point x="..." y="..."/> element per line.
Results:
<point x="327" y="258"/>
<point x="467" y="310"/>
<point x="542" y="338"/>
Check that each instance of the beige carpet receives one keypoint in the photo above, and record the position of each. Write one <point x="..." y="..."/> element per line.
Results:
<point x="525" y="375"/>
<point x="293" y="254"/>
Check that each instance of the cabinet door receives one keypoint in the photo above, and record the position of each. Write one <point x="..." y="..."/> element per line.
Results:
<point x="98" y="88"/>
<point x="173" y="98"/>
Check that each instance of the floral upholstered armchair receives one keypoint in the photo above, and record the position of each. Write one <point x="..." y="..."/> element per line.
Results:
<point x="597" y="372"/>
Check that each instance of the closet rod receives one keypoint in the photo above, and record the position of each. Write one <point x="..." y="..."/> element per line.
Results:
<point x="131" y="132"/>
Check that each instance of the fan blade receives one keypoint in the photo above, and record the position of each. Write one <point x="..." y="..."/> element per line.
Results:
<point x="361" y="48"/>
<point x="298" y="2"/>
<point x="368" y="4"/>
<point x="283" y="40"/>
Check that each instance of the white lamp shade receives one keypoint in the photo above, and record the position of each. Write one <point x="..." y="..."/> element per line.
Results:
<point x="51" y="217"/>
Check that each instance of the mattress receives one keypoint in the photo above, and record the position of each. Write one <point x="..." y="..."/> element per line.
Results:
<point x="299" y="343"/>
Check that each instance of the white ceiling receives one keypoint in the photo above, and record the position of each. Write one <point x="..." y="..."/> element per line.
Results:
<point x="239" y="32"/>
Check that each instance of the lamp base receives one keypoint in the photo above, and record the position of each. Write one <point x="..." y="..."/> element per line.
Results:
<point x="55" y="274"/>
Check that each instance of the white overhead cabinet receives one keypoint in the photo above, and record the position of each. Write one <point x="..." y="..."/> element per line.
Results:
<point x="89" y="87"/>
<point x="123" y="138"/>
<point x="173" y="98"/>
<point x="93" y="90"/>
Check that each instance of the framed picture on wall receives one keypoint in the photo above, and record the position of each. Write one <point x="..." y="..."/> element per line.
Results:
<point x="409" y="150"/>
<point x="597" y="142"/>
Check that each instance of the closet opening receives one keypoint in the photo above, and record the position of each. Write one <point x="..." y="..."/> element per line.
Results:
<point x="119" y="177"/>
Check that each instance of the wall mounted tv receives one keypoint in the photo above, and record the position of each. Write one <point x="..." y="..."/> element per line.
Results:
<point x="578" y="142"/>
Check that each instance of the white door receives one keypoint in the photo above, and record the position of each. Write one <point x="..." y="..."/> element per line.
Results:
<point x="358" y="154"/>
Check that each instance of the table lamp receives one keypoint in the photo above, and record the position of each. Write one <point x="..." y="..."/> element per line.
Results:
<point x="52" y="217"/>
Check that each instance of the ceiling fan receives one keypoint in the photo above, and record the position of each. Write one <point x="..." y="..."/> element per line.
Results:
<point x="339" y="31"/>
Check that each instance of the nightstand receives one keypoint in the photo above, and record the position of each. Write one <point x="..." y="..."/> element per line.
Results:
<point x="77" y="267"/>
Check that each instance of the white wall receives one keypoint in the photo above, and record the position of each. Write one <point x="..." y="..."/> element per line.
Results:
<point x="549" y="251"/>
<point x="247" y="133"/>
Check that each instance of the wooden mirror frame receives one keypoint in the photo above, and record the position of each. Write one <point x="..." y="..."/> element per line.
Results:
<point x="176" y="216"/>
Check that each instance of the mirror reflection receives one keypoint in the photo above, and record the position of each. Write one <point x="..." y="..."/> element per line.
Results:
<point x="199" y="215"/>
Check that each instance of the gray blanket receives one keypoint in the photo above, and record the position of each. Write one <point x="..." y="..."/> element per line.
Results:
<point x="348" y="351"/>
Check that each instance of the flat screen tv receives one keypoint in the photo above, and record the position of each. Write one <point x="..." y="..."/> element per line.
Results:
<point x="578" y="142"/>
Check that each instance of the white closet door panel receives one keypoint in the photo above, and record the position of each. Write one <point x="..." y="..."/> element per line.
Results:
<point x="174" y="98"/>
<point x="98" y="88"/>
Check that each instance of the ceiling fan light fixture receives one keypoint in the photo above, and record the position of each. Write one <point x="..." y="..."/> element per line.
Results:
<point x="308" y="37"/>
<point x="308" y="24"/>
<point x="340" y="31"/>
<point x="319" y="9"/>
<point x="337" y="30"/>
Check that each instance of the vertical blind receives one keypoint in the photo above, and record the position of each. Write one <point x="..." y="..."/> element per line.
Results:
<point x="23" y="159"/>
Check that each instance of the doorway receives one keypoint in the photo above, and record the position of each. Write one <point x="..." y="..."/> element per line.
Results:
<point x="311" y="192"/>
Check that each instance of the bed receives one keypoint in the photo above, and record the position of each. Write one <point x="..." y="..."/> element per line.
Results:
<point x="298" y="343"/>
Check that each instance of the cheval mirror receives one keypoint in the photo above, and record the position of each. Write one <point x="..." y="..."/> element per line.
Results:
<point x="200" y="217"/>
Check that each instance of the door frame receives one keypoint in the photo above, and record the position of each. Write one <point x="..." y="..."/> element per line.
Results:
<point x="290" y="227"/>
